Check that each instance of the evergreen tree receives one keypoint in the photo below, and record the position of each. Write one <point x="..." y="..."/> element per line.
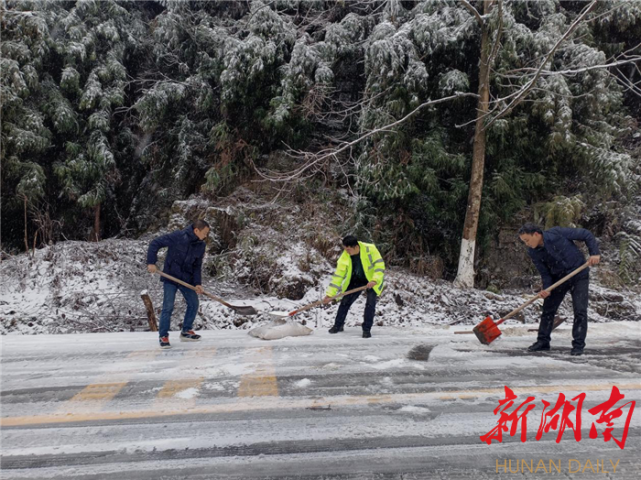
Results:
<point x="153" y="101"/>
<point x="92" y="44"/>
<point x="25" y="136"/>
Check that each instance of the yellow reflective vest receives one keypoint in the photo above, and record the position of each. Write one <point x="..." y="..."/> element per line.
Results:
<point x="373" y="265"/>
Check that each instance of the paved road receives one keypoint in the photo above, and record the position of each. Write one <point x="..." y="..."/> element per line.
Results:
<point x="113" y="406"/>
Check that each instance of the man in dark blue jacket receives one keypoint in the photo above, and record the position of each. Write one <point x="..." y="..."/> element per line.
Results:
<point x="184" y="261"/>
<point x="555" y="255"/>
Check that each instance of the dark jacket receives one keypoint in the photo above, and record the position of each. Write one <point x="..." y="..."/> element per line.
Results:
<point x="559" y="255"/>
<point x="184" y="258"/>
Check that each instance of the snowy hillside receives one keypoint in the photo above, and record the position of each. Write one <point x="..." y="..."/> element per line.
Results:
<point x="95" y="287"/>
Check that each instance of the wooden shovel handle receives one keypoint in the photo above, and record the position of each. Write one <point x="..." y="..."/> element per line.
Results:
<point x="185" y="284"/>
<point x="549" y="289"/>
<point x="319" y="302"/>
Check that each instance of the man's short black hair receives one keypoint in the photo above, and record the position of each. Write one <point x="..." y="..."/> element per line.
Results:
<point x="530" y="228"/>
<point x="350" y="241"/>
<point x="200" y="224"/>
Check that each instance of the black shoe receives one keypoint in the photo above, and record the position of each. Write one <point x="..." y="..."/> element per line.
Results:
<point x="164" y="343"/>
<point x="538" y="346"/>
<point x="366" y="334"/>
<point x="335" y="329"/>
<point x="576" y="351"/>
<point x="189" y="336"/>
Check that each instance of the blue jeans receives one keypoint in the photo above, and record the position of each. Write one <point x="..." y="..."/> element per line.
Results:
<point x="578" y="288"/>
<point x="168" y="301"/>
<point x="370" y="309"/>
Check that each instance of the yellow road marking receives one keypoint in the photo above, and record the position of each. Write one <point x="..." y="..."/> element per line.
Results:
<point x="205" y="352"/>
<point x="381" y="399"/>
<point x="171" y="390"/>
<point x="273" y="402"/>
<point x="98" y="391"/>
<point x="173" y="387"/>
<point x="262" y="382"/>
<point x="142" y="355"/>
<point x="107" y="385"/>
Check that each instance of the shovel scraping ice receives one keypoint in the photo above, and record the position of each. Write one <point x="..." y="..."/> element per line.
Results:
<point x="487" y="331"/>
<point x="277" y="315"/>
<point x="241" y="310"/>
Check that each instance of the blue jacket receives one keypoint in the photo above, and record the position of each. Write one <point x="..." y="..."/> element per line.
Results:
<point x="559" y="255"/>
<point x="184" y="258"/>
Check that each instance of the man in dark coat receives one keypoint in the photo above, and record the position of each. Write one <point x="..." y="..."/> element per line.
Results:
<point x="184" y="261"/>
<point x="555" y="255"/>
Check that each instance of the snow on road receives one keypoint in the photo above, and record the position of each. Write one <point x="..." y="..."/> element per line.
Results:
<point x="322" y="406"/>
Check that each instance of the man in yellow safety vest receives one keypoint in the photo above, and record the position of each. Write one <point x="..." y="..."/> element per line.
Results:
<point x="359" y="265"/>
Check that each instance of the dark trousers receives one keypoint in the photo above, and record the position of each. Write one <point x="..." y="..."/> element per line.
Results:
<point x="168" y="301"/>
<point x="370" y="309"/>
<point x="578" y="288"/>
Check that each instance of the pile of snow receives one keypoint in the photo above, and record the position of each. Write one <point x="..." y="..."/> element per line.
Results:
<point x="280" y="328"/>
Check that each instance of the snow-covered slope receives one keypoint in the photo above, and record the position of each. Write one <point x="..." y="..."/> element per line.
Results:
<point x="95" y="287"/>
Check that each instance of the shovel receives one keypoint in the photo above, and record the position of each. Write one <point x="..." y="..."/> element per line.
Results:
<point x="238" y="310"/>
<point x="277" y="315"/>
<point x="487" y="331"/>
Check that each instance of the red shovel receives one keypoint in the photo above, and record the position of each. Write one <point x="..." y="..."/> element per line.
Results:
<point x="487" y="331"/>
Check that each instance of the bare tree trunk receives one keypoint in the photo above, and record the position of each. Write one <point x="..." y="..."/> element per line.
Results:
<point x="465" y="274"/>
<point x="35" y="241"/>
<point x="26" y="240"/>
<point x="96" y="224"/>
<point x="151" y="316"/>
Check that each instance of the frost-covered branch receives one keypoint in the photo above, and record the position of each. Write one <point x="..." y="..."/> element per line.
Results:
<point x="513" y="74"/>
<point x="628" y="84"/>
<point x="521" y="94"/>
<point x="338" y="112"/>
<point x="571" y="71"/>
<point x="497" y="41"/>
<point x="312" y="160"/>
<point x="473" y="11"/>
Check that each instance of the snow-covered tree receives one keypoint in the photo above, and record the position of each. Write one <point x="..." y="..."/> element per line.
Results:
<point x="92" y="42"/>
<point x="127" y="106"/>
<point x="25" y="135"/>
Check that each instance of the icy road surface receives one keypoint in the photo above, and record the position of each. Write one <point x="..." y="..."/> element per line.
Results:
<point x="115" y="406"/>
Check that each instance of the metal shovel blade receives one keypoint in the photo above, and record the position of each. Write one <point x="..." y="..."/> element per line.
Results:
<point x="244" y="310"/>
<point x="241" y="310"/>
<point x="487" y="331"/>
